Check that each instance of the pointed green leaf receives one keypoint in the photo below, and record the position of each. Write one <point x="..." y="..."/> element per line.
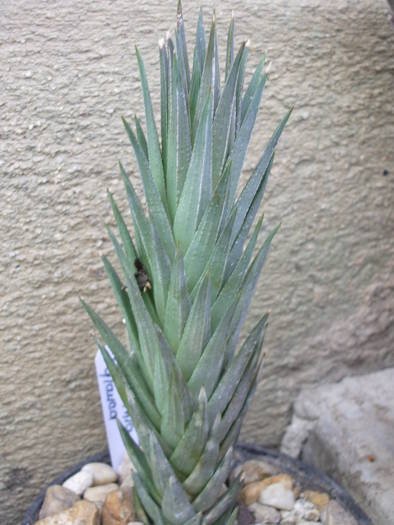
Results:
<point x="230" y="379"/>
<point x="219" y="258"/>
<point x="161" y="468"/>
<point x="149" y="342"/>
<point x="210" y="78"/>
<point x="230" y="47"/>
<point x="125" y="236"/>
<point x="124" y="303"/>
<point x="149" y="253"/>
<point x="240" y="256"/>
<point x="181" y="49"/>
<point x="141" y="136"/>
<point x="128" y="245"/>
<point x="237" y="401"/>
<point x="242" y="141"/>
<point x="197" y="189"/>
<point x="151" y="508"/>
<point x="116" y="374"/>
<point x="144" y="429"/>
<point x="141" y="223"/>
<point x="233" y="283"/>
<point x="215" y="69"/>
<point x="161" y="276"/>
<point x="139" y="461"/>
<point x="176" y="506"/>
<point x="209" y="367"/>
<point x="204" y="468"/>
<point x="211" y="492"/>
<point x="155" y="160"/>
<point x="173" y="420"/>
<point x="196" y="332"/>
<point x="223" y="504"/>
<point x="178" y="304"/>
<point x="127" y="268"/>
<point x="188" y="451"/>
<point x="240" y="85"/>
<point x="230" y="518"/>
<point x="179" y="137"/>
<point x="164" y="80"/>
<point x="156" y="207"/>
<point x="203" y="241"/>
<point x="233" y="434"/>
<point x="222" y="139"/>
<point x="140" y="513"/>
<point x="200" y="48"/>
<point x="166" y="370"/>
<point x="140" y="389"/>
<point x="198" y="65"/>
<point x="196" y="520"/>
<point x="249" y="285"/>
<point x="162" y="375"/>
<point x="252" y="87"/>
<point x="248" y="193"/>
<point x="126" y="365"/>
<point x="172" y="158"/>
<point x="109" y="338"/>
<point x="241" y="230"/>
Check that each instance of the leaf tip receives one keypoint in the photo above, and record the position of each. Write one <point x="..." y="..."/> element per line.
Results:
<point x="202" y="396"/>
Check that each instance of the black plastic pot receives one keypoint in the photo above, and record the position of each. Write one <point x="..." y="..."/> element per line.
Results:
<point x="306" y="476"/>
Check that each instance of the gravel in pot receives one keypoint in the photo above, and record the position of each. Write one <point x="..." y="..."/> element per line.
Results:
<point x="278" y="490"/>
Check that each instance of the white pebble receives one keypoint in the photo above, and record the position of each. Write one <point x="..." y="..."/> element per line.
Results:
<point x="79" y="482"/>
<point x="101" y="472"/>
<point x="98" y="494"/>
<point x="278" y="496"/>
<point x="265" y="514"/>
<point x="307" y="510"/>
<point x="288" y="517"/>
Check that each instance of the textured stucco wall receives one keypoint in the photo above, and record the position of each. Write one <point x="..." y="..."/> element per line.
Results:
<point x="68" y="74"/>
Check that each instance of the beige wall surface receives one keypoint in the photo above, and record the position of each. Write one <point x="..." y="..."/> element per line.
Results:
<point x="68" y="73"/>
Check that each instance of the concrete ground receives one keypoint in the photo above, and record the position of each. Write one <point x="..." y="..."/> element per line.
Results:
<point x="347" y="430"/>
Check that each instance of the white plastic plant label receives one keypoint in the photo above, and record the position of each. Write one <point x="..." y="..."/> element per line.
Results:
<point x="113" y="408"/>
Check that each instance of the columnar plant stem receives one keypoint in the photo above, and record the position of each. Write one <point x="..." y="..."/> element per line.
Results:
<point x="187" y="280"/>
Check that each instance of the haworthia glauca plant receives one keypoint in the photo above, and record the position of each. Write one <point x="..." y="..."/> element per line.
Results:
<point x="187" y="280"/>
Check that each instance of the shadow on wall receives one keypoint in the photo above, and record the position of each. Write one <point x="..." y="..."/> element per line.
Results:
<point x="391" y="3"/>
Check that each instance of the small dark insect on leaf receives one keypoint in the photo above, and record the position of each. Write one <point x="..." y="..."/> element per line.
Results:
<point x="142" y="277"/>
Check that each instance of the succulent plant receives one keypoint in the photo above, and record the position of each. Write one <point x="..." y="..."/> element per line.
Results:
<point x="187" y="281"/>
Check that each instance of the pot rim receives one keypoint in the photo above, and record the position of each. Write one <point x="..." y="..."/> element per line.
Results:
<point x="308" y="476"/>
